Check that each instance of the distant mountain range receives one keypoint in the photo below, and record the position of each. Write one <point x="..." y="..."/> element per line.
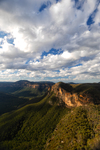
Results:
<point x="15" y="94"/>
<point x="25" y="88"/>
<point x="10" y="87"/>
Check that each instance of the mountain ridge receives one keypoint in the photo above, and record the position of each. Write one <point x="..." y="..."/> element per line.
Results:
<point x="51" y="124"/>
<point x="77" y="95"/>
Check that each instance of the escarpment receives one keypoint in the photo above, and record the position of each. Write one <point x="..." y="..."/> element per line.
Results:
<point x="70" y="97"/>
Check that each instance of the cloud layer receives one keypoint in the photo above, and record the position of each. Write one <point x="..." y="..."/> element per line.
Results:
<point x="30" y="29"/>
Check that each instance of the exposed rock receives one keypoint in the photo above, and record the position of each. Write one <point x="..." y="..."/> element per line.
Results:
<point x="62" y="142"/>
<point x="33" y="85"/>
<point x="65" y="93"/>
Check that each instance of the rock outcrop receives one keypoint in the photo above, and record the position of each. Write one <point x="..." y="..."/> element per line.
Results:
<point x="65" y="92"/>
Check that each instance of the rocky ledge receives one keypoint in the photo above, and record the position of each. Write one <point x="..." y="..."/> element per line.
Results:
<point x="65" y="92"/>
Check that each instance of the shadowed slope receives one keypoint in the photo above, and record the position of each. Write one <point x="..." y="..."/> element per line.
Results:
<point x="30" y="126"/>
<point x="10" y="102"/>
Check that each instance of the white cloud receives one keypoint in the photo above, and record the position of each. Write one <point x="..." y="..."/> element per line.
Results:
<point x="60" y="26"/>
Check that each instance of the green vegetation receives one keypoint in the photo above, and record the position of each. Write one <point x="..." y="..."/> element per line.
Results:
<point x="9" y="89"/>
<point x="24" y="88"/>
<point x="30" y="92"/>
<point x="65" y="86"/>
<point x="14" y="95"/>
<point x="75" y="85"/>
<point x="78" y="130"/>
<point x="39" y="121"/>
<point x="30" y="126"/>
<point x="10" y="102"/>
<point x="90" y="89"/>
<point x="86" y="87"/>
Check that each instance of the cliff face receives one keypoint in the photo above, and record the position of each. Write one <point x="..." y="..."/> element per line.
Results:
<point x="69" y="97"/>
<point x="33" y="85"/>
<point x="24" y="83"/>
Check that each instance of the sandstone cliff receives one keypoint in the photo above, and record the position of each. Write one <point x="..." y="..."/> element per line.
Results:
<point x="66" y="93"/>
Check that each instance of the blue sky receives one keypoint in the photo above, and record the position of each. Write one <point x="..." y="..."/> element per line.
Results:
<point x="54" y="40"/>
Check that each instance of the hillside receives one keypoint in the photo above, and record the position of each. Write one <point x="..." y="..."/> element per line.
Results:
<point x="24" y="88"/>
<point x="17" y="94"/>
<point x="78" y="130"/>
<point x="52" y="121"/>
<point x="30" y="126"/>
<point x="10" y="102"/>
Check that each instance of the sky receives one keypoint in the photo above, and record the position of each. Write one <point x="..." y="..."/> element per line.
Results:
<point x="50" y="40"/>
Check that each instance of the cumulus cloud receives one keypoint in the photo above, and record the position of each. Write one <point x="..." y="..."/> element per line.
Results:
<point x="28" y="32"/>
